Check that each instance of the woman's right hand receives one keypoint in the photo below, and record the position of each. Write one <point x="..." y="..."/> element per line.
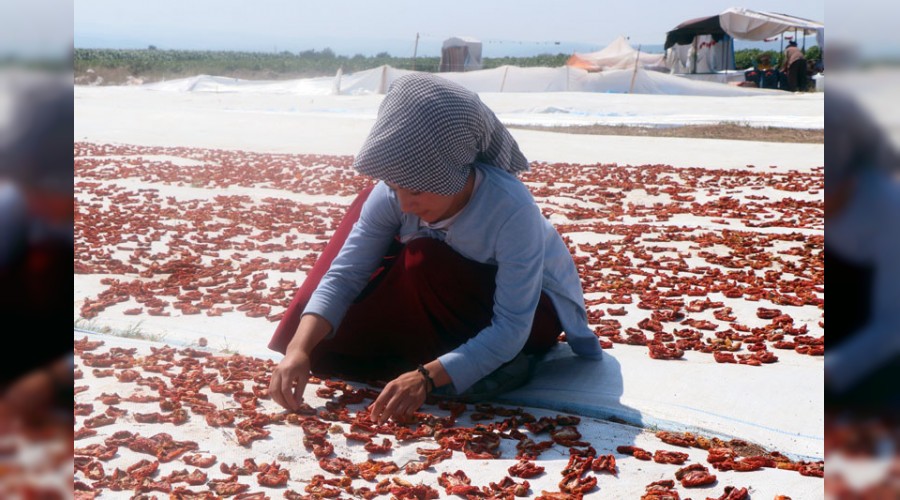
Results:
<point x="289" y="380"/>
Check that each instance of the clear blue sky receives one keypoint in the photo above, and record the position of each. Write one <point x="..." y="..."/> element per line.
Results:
<point x="371" y="26"/>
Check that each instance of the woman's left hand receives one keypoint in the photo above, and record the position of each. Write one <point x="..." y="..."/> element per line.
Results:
<point x="399" y="398"/>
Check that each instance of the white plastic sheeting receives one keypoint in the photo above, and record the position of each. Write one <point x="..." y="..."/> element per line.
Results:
<point x="617" y="55"/>
<point x="281" y="446"/>
<point x="621" y="386"/>
<point x="214" y="84"/>
<point x="338" y="124"/>
<point x="502" y="79"/>
<point x="705" y="55"/>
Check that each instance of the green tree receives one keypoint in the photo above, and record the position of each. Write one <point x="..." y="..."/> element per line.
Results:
<point x="814" y="53"/>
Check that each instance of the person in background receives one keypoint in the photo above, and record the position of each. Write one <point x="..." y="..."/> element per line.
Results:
<point x="450" y="281"/>
<point x="765" y="62"/>
<point x="813" y="66"/>
<point x="862" y="226"/>
<point x="769" y="75"/>
<point x="794" y="67"/>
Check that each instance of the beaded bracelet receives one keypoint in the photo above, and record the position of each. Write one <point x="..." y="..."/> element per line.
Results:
<point x="429" y="383"/>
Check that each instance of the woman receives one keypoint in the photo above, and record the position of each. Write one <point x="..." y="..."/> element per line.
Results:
<point x="450" y="274"/>
<point x="862" y="227"/>
<point x="794" y="68"/>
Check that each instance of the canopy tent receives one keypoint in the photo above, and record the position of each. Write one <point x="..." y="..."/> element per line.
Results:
<point x="743" y="24"/>
<point x="706" y="44"/>
<point x="617" y="55"/>
<point x="461" y="54"/>
<point x="746" y="24"/>
<point x="684" y="33"/>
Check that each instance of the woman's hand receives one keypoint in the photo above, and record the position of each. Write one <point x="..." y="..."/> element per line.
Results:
<point x="296" y="363"/>
<point x="293" y="368"/>
<point x="399" y="398"/>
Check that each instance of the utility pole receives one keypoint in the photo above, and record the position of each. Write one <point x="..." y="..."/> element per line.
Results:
<point x="415" y="50"/>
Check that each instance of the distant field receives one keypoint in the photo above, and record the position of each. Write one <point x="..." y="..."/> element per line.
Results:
<point x="115" y="67"/>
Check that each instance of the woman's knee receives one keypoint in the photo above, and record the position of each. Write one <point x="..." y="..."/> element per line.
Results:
<point x="432" y="261"/>
<point x="426" y="255"/>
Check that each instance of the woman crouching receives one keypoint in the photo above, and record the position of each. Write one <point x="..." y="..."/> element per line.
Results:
<point x="444" y="277"/>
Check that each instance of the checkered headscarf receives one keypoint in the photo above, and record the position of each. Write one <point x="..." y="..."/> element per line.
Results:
<point x="429" y="132"/>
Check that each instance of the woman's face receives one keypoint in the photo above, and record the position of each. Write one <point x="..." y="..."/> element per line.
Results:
<point x="429" y="207"/>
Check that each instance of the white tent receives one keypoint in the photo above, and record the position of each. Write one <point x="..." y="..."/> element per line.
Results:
<point x="746" y="24"/>
<point x="706" y="44"/>
<point x="461" y="54"/>
<point x="617" y="55"/>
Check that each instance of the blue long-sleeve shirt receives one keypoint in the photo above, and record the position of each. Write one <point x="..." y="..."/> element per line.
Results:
<point x="500" y="225"/>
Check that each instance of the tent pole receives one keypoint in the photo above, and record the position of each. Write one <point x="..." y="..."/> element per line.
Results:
<point x="634" y="75"/>
<point x="415" y="50"/>
<point x="694" y="57"/>
<point x="729" y="54"/>
<point x="781" y="53"/>
<point x="728" y="47"/>
<point x="725" y="56"/>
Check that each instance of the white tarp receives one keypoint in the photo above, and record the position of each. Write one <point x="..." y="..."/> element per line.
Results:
<point x="502" y="79"/>
<point x="705" y="55"/>
<point x="746" y="24"/>
<point x="617" y="55"/>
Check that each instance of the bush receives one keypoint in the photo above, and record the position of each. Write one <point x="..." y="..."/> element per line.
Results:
<point x="748" y="58"/>
<point x="814" y="53"/>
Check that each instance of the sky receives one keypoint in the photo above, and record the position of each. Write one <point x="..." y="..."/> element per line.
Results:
<point x="504" y="26"/>
<point x="36" y="28"/>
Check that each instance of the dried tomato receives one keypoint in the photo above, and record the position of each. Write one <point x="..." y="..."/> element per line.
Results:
<point x="694" y="475"/>
<point x="227" y="487"/>
<point x="525" y="469"/>
<point x="669" y="457"/>
<point x="661" y="490"/>
<point x="247" y="436"/>
<point x="576" y="484"/>
<point x="604" y="463"/>
<point x="639" y="453"/>
<point x="733" y="493"/>
<point x="384" y="447"/>
<point x="678" y="439"/>
<point x="273" y="476"/>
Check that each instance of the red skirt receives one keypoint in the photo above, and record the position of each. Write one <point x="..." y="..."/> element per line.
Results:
<point x="424" y="301"/>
